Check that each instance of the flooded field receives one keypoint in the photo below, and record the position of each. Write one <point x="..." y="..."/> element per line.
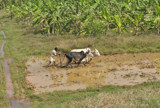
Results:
<point x="120" y="69"/>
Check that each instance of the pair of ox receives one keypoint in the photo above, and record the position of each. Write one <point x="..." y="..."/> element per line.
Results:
<point x="78" y="55"/>
<point x="81" y="55"/>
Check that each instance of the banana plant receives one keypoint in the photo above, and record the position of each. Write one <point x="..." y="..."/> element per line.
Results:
<point x="106" y="16"/>
<point x="4" y="3"/>
<point x="157" y="19"/>
<point x="119" y="25"/>
<point x="137" y="22"/>
<point x="68" y="16"/>
<point x="10" y="8"/>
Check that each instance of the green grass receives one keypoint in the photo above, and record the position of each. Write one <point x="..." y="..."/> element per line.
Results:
<point x="57" y="98"/>
<point x="3" y="100"/>
<point x="146" y="94"/>
<point x="22" y="42"/>
<point x="141" y="96"/>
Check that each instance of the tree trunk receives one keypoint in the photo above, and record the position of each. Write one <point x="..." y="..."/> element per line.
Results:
<point x="11" y="15"/>
<point x="51" y="29"/>
<point x="76" y="27"/>
<point x="157" y="26"/>
<point x="137" y="28"/>
<point x="107" y="27"/>
<point x="120" y="31"/>
<point x="54" y="30"/>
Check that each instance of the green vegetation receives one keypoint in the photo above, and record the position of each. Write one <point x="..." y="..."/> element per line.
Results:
<point x="3" y="100"/>
<point x="87" y="17"/>
<point x="23" y="42"/>
<point x="145" y="95"/>
<point x="97" y="18"/>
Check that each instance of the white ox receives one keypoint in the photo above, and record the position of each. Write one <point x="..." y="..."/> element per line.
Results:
<point x="85" y="50"/>
<point x="89" y="57"/>
<point x="91" y="54"/>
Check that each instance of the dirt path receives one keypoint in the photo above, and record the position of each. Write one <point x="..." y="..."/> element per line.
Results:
<point x="15" y="103"/>
<point x="9" y="85"/>
<point x="120" y="69"/>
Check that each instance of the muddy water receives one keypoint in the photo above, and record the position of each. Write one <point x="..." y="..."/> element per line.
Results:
<point x="4" y="35"/>
<point x="9" y="85"/>
<point x="123" y="70"/>
<point x="2" y="50"/>
<point x="20" y="103"/>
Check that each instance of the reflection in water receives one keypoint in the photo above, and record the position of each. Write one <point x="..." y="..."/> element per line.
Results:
<point x="2" y="48"/>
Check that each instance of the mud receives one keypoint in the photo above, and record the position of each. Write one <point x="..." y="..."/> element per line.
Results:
<point x="120" y="69"/>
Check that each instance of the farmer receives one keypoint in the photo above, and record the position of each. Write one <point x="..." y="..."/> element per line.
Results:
<point x="52" y="61"/>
